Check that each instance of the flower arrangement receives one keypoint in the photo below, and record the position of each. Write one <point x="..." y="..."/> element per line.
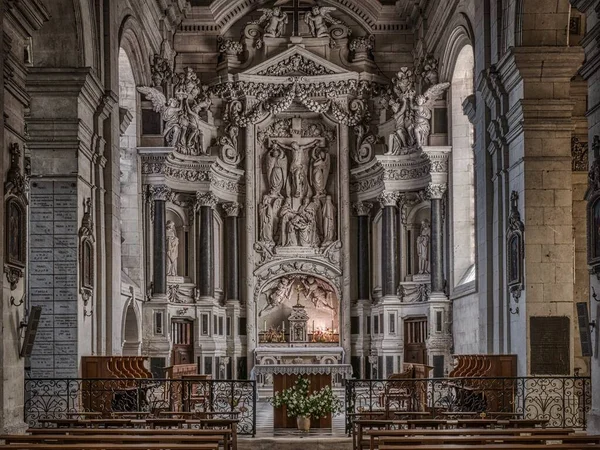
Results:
<point x="300" y="404"/>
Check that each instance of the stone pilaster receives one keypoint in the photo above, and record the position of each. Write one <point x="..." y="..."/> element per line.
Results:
<point x="205" y="204"/>
<point x="363" y="270"/>
<point x="159" y="196"/>
<point x="389" y="244"/>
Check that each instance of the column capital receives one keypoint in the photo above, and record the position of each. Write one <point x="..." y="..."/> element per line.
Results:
<point x="159" y="192"/>
<point x="362" y="208"/>
<point x="232" y="209"/>
<point x="388" y="198"/>
<point x="206" y="199"/>
<point x="436" y="191"/>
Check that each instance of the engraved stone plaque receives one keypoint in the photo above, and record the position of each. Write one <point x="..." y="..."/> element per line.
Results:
<point x="549" y="345"/>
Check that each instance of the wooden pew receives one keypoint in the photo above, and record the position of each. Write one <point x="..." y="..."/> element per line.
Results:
<point x="407" y="442"/>
<point x="103" y="446"/>
<point x="496" y="447"/>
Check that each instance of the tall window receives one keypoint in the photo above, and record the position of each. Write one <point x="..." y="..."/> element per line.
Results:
<point x="462" y="195"/>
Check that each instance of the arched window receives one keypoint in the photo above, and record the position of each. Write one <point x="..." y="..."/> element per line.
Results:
<point x="462" y="198"/>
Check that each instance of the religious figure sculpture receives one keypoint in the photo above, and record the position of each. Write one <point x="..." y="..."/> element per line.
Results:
<point x="172" y="248"/>
<point x="266" y="220"/>
<point x="276" y="160"/>
<point x="287" y="230"/>
<point x="298" y="166"/>
<point x="277" y="295"/>
<point x="321" y="162"/>
<point x="181" y="113"/>
<point x="423" y="247"/>
<point x="273" y="20"/>
<point x="328" y="224"/>
<point x="305" y="223"/>
<point x="412" y="112"/>
<point x="318" y="18"/>
<point x="318" y="292"/>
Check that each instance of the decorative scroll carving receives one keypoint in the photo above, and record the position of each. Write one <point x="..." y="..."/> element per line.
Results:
<point x="230" y="153"/>
<point x="86" y="253"/>
<point x="362" y="45"/>
<point x="364" y="150"/>
<point x="13" y="275"/>
<point x="230" y="47"/>
<point x="180" y="294"/>
<point x="161" y="66"/>
<point x="515" y="248"/>
<point x="412" y="112"/>
<point x="181" y="114"/>
<point x="579" y="155"/>
<point x="296" y="64"/>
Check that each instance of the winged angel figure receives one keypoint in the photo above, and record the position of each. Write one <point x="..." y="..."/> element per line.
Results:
<point x="318" y="18"/>
<point x="176" y="123"/>
<point x="421" y="107"/>
<point x="273" y="20"/>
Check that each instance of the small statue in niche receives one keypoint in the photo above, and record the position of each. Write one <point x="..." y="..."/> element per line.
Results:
<point x="318" y="18"/>
<point x="172" y="249"/>
<point x="266" y="220"/>
<point x="276" y="170"/>
<point x="329" y="229"/>
<point x="423" y="247"/>
<point x="274" y="21"/>
<point x="321" y="162"/>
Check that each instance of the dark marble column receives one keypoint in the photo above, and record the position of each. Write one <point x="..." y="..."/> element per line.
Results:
<point x="158" y="197"/>
<point x="436" y="193"/>
<point x="363" y="269"/>
<point x="205" y="258"/>
<point x="389" y="243"/>
<point x="232" y="250"/>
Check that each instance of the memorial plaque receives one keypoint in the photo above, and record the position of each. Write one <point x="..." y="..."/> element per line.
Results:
<point x="53" y="279"/>
<point x="549" y="345"/>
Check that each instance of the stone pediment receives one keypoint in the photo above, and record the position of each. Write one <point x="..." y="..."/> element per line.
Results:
<point x="296" y="61"/>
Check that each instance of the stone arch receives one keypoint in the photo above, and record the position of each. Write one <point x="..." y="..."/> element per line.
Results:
<point x="460" y="36"/>
<point x="133" y="41"/>
<point x="131" y="330"/>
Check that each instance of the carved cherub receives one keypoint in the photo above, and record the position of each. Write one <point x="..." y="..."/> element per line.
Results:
<point x="273" y="20"/>
<point x="318" y="18"/>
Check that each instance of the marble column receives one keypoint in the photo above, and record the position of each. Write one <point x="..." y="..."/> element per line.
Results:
<point x="436" y="193"/>
<point x="389" y="243"/>
<point x="232" y="250"/>
<point x="205" y="257"/>
<point x="158" y="195"/>
<point x="362" y="211"/>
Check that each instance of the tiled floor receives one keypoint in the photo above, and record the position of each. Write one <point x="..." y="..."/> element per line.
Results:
<point x="264" y="424"/>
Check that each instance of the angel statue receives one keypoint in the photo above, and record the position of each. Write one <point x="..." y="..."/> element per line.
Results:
<point x="278" y="295"/>
<point x="318" y="18"/>
<point x="421" y="107"/>
<point x="277" y="163"/>
<point x="171" y="112"/>
<point x="318" y="292"/>
<point x="273" y="20"/>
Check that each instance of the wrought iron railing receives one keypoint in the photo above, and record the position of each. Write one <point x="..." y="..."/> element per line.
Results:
<point x="562" y="401"/>
<point x="54" y="398"/>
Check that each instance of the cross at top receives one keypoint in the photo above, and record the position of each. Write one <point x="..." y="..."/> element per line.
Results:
<point x="295" y="9"/>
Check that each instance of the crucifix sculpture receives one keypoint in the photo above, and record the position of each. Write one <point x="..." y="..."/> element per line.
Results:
<point x="294" y="9"/>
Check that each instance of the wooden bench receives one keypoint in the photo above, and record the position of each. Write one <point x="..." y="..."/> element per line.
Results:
<point x="416" y="441"/>
<point x="104" y="446"/>
<point x="496" y="447"/>
<point x="373" y="436"/>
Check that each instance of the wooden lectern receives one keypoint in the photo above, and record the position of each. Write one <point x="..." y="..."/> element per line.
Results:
<point x="285" y="381"/>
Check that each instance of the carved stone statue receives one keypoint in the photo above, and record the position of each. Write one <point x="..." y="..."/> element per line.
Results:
<point x="172" y="248"/>
<point x="318" y="18"/>
<point x="305" y="223"/>
<point x="273" y="20"/>
<point x="181" y="114"/>
<point x="299" y="166"/>
<point x="321" y="162"/>
<point x="278" y="295"/>
<point x="161" y="66"/>
<point x="266" y="220"/>
<point x="276" y="161"/>
<point x="423" y="247"/>
<point x="287" y="230"/>
<point x="329" y="219"/>
<point x="421" y="109"/>
<point x="318" y="292"/>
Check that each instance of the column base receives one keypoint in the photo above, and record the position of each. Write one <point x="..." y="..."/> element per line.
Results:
<point x="438" y="297"/>
<point x="593" y="421"/>
<point x="390" y="300"/>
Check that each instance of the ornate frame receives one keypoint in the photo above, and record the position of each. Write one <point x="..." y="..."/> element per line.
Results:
<point x="86" y="253"/>
<point x="15" y="200"/>
<point x="593" y="205"/>
<point x="515" y="248"/>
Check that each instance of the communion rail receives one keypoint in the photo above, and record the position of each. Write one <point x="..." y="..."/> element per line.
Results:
<point x="563" y="401"/>
<point x="54" y="398"/>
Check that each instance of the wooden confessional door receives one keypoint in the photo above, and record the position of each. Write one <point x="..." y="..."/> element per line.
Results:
<point x="183" y="342"/>
<point x="415" y="335"/>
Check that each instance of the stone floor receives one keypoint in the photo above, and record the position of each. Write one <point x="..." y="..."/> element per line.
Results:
<point x="292" y="439"/>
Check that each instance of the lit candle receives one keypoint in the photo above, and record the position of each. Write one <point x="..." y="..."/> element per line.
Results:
<point x="313" y="326"/>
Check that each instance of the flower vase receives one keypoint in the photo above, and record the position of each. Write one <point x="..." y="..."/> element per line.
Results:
<point x="303" y="423"/>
